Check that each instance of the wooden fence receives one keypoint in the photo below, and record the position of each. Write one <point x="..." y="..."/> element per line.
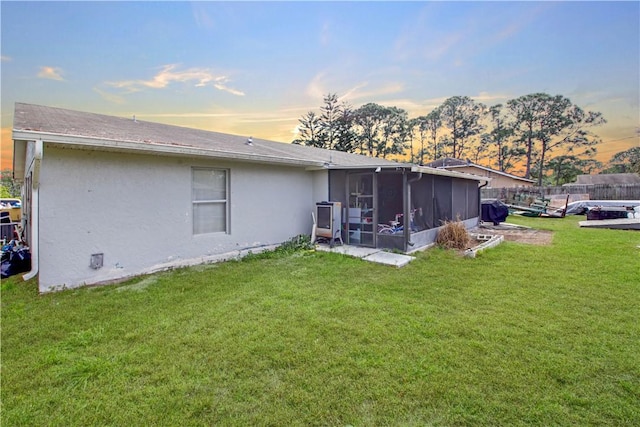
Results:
<point x="595" y="192"/>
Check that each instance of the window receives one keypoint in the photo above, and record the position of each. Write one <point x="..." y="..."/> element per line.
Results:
<point x="210" y="201"/>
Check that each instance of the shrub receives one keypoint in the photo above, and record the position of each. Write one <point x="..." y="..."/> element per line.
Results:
<point x="453" y="235"/>
<point x="298" y="243"/>
<point x="301" y="242"/>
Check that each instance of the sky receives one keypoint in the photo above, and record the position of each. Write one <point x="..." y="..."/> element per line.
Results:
<point x="255" y="68"/>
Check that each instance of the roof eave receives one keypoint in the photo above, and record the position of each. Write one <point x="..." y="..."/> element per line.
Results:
<point x="508" y="175"/>
<point x="445" y="172"/>
<point x="156" y="148"/>
<point x="371" y="166"/>
<point x="413" y="168"/>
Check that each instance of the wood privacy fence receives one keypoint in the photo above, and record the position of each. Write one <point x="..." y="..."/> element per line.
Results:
<point x="595" y="192"/>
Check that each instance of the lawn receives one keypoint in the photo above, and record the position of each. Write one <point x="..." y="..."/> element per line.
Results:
<point x="520" y="335"/>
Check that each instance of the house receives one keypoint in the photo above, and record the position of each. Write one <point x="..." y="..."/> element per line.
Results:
<point x="498" y="179"/>
<point x="108" y="198"/>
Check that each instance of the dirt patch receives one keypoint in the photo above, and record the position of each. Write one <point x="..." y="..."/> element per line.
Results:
<point x="518" y="234"/>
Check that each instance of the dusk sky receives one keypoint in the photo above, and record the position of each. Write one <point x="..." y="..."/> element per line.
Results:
<point x="254" y="68"/>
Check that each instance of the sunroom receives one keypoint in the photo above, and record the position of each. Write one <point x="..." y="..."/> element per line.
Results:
<point x="402" y="207"/>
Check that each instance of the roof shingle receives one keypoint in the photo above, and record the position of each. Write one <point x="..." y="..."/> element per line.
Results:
<point x="109" y="129"/>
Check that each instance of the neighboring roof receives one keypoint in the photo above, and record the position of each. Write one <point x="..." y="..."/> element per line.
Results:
<point x="443" y="162"/>
<point x="451" y="164"/>
<point x="611" y="178"/>
<point x="75" y="129"/>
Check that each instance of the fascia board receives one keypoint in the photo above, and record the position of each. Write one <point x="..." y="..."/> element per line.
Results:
<point x="19" y="159"/>
<point x="508" y="175"/>
<point x="445" y="172"/>
<point x="372" y="166"/>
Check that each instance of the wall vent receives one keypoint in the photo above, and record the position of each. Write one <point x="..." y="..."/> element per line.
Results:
<point x="96" y="261"/>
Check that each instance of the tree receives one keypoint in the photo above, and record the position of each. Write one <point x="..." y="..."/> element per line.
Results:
<point x="346" y="137"/>
<point x="395" y="132"/>
<point x="506" y="154"/>
<point x="310" y="133"/>
<point x="532" y="127"/>
<point x="428" y="127"/>
<point x="329" y="120"/>
<point x="525" y="113"/>
<point x="544" y="123"/>
<point x="10" y="188"/>
<point x="368" y="118"/>
<point x="462" y="116"/>
<point x="564" y="169"/>
<point x="332" y="129"/>
<point x="566" y="125"/>
<point x="413" y="125"/>
<point x="627" y="161"/>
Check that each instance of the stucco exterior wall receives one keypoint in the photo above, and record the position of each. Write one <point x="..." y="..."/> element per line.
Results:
<point x="137" y="211"/>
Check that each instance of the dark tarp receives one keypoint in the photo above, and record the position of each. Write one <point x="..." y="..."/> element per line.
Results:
<point x="494" y="211"/>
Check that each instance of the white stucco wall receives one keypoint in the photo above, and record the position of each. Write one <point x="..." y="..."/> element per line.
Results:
<point x="137" y="211"/>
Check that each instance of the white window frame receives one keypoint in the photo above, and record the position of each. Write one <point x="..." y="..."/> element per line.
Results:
<point x="224" y="201"/>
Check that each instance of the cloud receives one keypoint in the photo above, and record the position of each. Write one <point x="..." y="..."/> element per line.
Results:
<point x="317" y="89"/>
<point x="224" y="88"/>
<point x="6" y="58"/>
<point x="388" y="88"/>
<point x="169" y="74"/>
<point x="443" y="45"/>
<point x="201" y="16"/>
<point x="490" y="98"/>
<point x="52" y="73"/>
<point x="111" y="97"/>
<point x="190" y="115"/>
<point x="325" y="34"/>
<point x="514" y="24"/>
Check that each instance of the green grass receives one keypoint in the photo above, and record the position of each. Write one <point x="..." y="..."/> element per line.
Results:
<point x="520" y="335"/>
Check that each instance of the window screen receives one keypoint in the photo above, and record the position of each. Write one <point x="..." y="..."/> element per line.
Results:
<point x="210" y="201"/>
<point x="442" y="199"/>
<point x="459" y="200"/>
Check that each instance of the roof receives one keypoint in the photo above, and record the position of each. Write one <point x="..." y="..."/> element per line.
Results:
<point x="611" y="178"/>
<point x="76" y="129"/>
<point x="451" y="163"/>
<point x="447" y="161"/>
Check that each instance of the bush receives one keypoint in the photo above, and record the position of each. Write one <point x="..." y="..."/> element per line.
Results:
<point x="298" y="243"/>
<point x="453" y="235"/>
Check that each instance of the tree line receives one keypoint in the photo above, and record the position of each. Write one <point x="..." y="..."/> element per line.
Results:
<point x="539" y="133"/>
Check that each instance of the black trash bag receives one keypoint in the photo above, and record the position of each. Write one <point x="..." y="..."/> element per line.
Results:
<point x="18" y="262"/>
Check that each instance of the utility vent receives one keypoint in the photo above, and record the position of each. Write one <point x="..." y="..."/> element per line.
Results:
<point x="96" y="261"/>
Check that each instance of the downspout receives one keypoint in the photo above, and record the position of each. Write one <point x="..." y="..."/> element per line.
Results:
<point x="35" y="202"/>
<point x="480" y="200"/>
<point x="407" y="215"/>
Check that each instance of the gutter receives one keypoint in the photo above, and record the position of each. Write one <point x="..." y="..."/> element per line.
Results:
<point x="35" y="204"/>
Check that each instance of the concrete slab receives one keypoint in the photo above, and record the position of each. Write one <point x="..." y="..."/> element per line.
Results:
<point x="369" y="254"/>
<point x="389" y="258"/>
<point x="354" y="251"/>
